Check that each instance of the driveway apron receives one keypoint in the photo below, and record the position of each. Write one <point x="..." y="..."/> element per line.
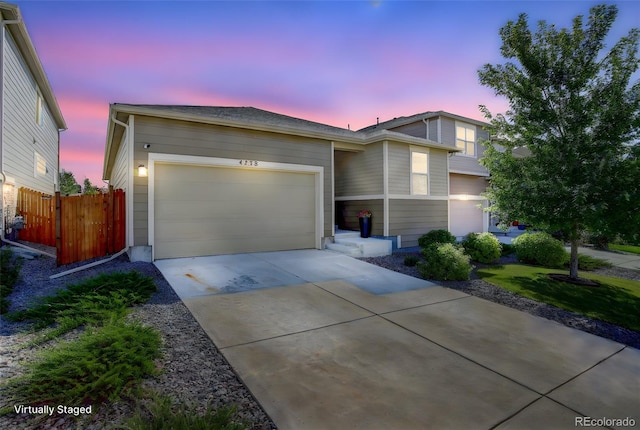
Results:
<point x="325" y="341"/>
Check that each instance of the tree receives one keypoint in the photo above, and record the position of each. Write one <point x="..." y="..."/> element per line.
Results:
<point x="576" y="114"/>
<point x="68" y="184"/>
<point x="89" y="188"/>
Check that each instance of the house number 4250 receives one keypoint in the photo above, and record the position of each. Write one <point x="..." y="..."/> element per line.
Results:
<point x="248" y="163"/>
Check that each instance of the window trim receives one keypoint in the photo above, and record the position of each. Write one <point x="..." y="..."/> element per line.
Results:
<point x="39" y="109"/>
<point x="36" y="158"/>
<point x="467" y="126"/>
<point x="425" y="151"/>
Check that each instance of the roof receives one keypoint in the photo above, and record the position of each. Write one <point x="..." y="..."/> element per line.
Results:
<point x="248" y="115"/>
<point x="249" y="118"/>
<point x="404" y="120"/>
<point x="12" y="18"/>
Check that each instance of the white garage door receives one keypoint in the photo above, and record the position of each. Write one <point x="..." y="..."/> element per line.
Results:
<point x="466" y="217"/>
<point x="201" y="210"/>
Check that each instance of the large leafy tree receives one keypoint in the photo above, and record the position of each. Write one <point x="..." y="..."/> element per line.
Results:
<point x="565" y="155"/>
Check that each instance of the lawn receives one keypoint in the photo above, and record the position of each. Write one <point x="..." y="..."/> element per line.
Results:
<point x="625" y="248"/>
<point x="616" y="301"/>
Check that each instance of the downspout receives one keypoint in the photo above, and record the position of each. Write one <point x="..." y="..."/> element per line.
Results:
<point x="3" y="23"/>
<point x="426" y="122"/>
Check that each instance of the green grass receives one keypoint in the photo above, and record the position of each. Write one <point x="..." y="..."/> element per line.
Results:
<point x="162" y="413"/>
<point x="625" y="248"/>
<point x="616" y="301"/>
<point x="98" y="366"/>
<point x="94" y="301"/>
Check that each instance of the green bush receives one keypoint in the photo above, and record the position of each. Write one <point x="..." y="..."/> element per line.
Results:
<point x="507" y="249"/>
<point x="445" y="262"/>
<point x="482" y="247"/>
<point x="540" y="249"/>
<point x="92" y="301"/>
<point x="9" y="274"/>
<point x="162" y="413"/>
<point x="98" y="366"/>
<point x="436" y="236"/>
<point x="411" y="260"/>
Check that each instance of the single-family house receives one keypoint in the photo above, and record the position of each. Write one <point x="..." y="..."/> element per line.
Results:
<point x="217" y="180"/>
<point x="467" y="178"/>
<point x="30" y="118"/>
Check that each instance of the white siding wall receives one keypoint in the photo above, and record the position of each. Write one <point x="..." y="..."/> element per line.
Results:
<point x="22" y="136"/>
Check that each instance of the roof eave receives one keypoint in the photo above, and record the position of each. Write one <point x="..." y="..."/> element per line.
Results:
<point x="21" y="36"/>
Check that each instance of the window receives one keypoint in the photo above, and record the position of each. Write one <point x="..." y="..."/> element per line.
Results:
<point x="39" y="109"/>
<point x="466" y="139"/>
<point x="419" y="172"/>
<point x="40" y="165"/>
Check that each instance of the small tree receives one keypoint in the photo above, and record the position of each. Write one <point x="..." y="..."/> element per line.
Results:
<point x="68" y="184"/>
<point x="89" y="188"/>
<point x="575" y="114"/>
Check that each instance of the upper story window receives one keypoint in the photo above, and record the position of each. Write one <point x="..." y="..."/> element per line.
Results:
<point x="39" y="165"/>
<point x="466" y="139"/>
<point x="419" y="172"/>
<point x="39" y="109"/>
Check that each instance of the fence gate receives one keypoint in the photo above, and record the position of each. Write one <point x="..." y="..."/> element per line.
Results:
<point x="89" y="226"/>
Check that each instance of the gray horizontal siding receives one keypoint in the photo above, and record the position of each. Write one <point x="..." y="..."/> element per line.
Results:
<point x="359" y="173"/>
<point x="438" y="172"/>
<point x="185" y="138"/>
<point x="22" y="137"/>
<point x="417" y="129"/>
<point x="347" y="214"/>
<point x="467" y="184"/>
<point x="463" y="163"/>
<point x="399" y="168"/>
<point x="412" y="218"/>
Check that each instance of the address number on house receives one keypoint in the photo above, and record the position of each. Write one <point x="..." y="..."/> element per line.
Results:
<point x="253" y="163"/>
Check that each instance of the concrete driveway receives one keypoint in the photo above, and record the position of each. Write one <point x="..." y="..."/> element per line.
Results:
<point x="336" y="343"/>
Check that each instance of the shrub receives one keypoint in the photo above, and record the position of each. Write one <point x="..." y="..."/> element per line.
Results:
<point x="411" y="260"/>
<point x="482" y="247"/>
<point x="540" y="249"/>
<point x="445" y="262"/>
<point x="9" y="274"/>
<point x="507" y="249"/>
<point x="94" y="300"/>
<point x="436" y="236"/>
<point x="163" y="413"/>
<point x="98" y="366"/>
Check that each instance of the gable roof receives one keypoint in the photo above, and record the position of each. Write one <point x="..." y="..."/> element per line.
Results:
<point x="12" y="18"/>
<point x="248" y="118"/>
<point x="404" y="120"/>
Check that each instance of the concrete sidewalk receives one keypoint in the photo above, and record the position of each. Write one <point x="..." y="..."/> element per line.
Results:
<point x="327" y="354"/>
<point x="620" y="259"/>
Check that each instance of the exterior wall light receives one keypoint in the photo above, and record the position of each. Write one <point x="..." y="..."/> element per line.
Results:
<point x="142" y="171"/>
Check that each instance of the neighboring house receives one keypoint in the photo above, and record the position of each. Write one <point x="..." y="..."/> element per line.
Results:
<point x="218" y="180"/>
<point x="30" y="119"/>
<point x="467" y="179"/>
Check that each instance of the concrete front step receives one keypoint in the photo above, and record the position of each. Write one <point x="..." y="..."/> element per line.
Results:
<point x="355" y="246"/>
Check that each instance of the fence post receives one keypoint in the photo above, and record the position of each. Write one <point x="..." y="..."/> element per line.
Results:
<point x="58" y="230"/>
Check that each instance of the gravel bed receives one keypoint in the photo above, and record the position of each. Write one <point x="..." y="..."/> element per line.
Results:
<point x="192" y="369"/>
<point x="479" y="288"/>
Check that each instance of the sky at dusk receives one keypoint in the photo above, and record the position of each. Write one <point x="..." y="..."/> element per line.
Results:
<point x="343" y="63"/>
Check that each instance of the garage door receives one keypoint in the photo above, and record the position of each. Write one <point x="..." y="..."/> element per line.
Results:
<point x="201" y="210"/>
<point x="466" y="217"/>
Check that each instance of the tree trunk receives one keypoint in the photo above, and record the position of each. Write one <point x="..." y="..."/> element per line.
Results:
<point x="575" y="241"/>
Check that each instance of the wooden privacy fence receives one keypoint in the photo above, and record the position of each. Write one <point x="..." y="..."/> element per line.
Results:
<point x="84" y="226"/>
<point x="39" y="211"/>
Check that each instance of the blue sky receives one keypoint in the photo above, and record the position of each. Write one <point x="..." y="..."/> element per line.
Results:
<point x="343" y="63"/>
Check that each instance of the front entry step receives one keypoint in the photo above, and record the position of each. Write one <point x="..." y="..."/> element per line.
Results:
<point x="350" y="243"/>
